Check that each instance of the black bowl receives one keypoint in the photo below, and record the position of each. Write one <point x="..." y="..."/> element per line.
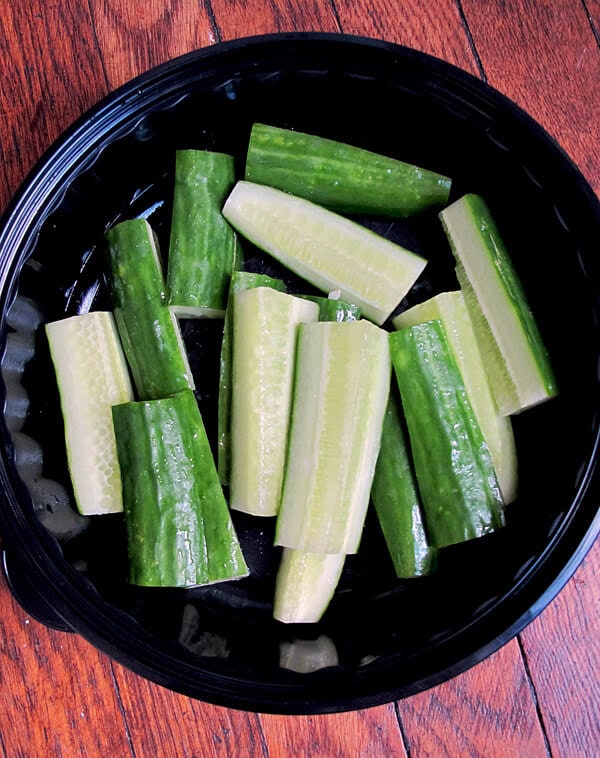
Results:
<point x="391" y="638"/>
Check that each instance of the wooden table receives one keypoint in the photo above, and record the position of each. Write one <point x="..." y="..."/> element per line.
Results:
<point x="540" y="694"/>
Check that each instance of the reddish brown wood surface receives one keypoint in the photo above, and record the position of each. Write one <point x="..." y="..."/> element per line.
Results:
<point x="537" y="696"/>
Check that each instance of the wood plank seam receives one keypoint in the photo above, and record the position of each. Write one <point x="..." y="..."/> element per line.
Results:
<point x="336" y="15"/>
<point x="257" y="726"/>
<point x="216" y="30"/>
<point x="534" y="695"/>
<point x="465" y="23"/>
<point x="115" y="684"/>
<point x="97" y="45"/>
<point x="595" y="30"/>
<point x="401" y="729"/>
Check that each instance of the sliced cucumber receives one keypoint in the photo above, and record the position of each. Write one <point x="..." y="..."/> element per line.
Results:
<point x="340" y="394"/>
<point x="341" y="177"/>
<point x="149" y="332"/>
<point x="451" y="310"/>
<point x="460" y="494"/>
<point x="305" y="585"/>
<point x="306" y="581"/>
<point x="179" y="529"/>
<point x="396" y="500"/>
<point x="240" y="281"/>
<point x="92" y="376"/>
<point x="512" y="348"/>
<point x="328" y="250"/>
<point x="265" y="324"/>
<point x="202" y="245"/>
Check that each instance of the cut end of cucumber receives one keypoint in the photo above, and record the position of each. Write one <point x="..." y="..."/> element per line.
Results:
<point x="305" y="585"/>
<point x="516" y="359"/>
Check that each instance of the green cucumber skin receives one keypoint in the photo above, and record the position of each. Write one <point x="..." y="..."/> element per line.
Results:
<point x="456" y="478"/>
<point x="341" y="177"/>
<point x="335" y="310"/>
<point x="477" y="211"/>
<point x="240" y="280"/>
<point x="179" y="529"/>
<point x="202" y="247"/>
<point x="150" y="338"/>
<point x="396" y="501"/>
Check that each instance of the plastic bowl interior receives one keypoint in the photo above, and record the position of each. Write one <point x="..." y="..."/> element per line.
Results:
<point x="391" y="638"/>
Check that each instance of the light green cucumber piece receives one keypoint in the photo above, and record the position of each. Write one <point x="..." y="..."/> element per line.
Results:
<point x="305" y="585"/>
<point x="265" y="324"/>
<point x="514" y="354"/>
<point x="341" y="390"/>
<point x="179" y="529"/>
<point x="457" y="482"/>
<point x="149" y="332"/>
<point x="202" y="247"/>
<point x="396" y="500"/>
<point x="342" y="177"/>
<point x="92" y="375"/>
<point x="240" y="281"/>
<point x="451" y="310"/>
<point x="328" y="250"/>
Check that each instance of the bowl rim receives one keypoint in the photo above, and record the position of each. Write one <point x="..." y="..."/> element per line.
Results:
<point x="74" y="599"/>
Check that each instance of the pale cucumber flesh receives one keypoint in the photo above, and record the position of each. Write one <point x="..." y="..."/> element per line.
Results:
<point x="328" y="250"/>
<point x="240" y="281"/>
<point x="305" y="585"/>
<point x="340" y="394"/>
<point x="265" y="324"/>
<point x="92" y="376"/>
<point x="515" y="356"/>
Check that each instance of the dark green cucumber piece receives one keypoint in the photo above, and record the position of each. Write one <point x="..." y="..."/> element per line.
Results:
<point x="179" y="529"/>
<point x="396" y="500"/>
<point x="149" y="332"/>
<point x="331" y="309"/>
<point x="202" y="246"/>
<point x="240" y="280"/>
<point x="453" y="466"/>
<point x="341" y="177"/>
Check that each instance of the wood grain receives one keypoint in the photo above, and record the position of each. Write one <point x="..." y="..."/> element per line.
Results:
<point x="546" y="59"/>
<point x="49" y="77"/>
<point x="563" y="657"/>
<point x="163" y="723"/>
<point x="130" y="41"/>
<point x="374" y="732"/>
<point x="243" y="18"/>
<point x="57" y="690"/>
<point x="433" y="28"/>
<point x="488" y="711"/>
